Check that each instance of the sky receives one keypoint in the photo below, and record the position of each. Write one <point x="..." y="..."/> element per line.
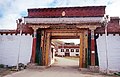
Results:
<point x="11" y="10"/>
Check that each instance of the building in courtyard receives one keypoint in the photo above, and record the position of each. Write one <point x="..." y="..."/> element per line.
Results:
<point x="31" y="42"/>
<point x="68" y="49"/>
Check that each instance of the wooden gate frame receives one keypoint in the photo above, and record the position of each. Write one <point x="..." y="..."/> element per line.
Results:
<point x="77" y="33"/>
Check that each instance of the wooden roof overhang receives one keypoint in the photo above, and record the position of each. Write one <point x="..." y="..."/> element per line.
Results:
<point x="64" y="22"/>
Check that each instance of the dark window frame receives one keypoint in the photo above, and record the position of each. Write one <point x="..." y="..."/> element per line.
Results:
<point x="67" y="50"/>
<point x="77" y="50"/>
<point x="72" y="50"/>
<point x="62" y="50"/>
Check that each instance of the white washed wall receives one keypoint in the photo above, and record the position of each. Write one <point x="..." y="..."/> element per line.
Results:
<point x="52" y="59"/>
<point x="113" y="53"/>
<point x="10" y="45"/>
<point x="74" y="53"/>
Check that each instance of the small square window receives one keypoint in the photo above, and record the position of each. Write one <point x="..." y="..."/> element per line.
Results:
<point x="67" y="50"/>
<point x="72" y="50"/>
<point x="62" y="50"/>
<point x="77" y="50"/>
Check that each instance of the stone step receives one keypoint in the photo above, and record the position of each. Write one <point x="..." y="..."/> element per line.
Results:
<point x="94" y="69"/>
<point x="35" y="66"/>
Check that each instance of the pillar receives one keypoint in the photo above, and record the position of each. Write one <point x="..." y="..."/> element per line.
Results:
<point x="43" y="46"/>
<point x="81" y="51"/>
<point x="47" y="50"/>
<point x="34" y="46"/>
<point x="85" y="49"/>
<point x="92" y="48"/>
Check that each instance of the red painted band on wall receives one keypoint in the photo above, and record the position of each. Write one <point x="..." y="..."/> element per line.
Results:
<point x="33" y="51"/>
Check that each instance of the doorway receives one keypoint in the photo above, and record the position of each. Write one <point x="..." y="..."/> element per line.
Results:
<point x="65" y="54"/>
<point x="46" y="37"/>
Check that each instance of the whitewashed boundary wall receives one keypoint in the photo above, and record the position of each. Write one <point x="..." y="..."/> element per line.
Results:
<point x="10" y="45"/>
<point x="113" y="53"/>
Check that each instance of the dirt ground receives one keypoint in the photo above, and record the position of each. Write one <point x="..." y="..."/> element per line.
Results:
<point x="62" y="68"/>
<point x="5" y="71"/>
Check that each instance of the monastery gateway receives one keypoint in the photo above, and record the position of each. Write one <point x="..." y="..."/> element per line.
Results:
<point x="99" y="37"/>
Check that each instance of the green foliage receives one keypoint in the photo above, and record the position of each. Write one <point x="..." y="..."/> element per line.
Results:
<point x="1" y="66"/>
<point x="118" y="74"/>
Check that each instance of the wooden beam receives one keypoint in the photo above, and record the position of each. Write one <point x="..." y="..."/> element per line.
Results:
<point x="65" y="37"/>
<point x="64" y="30"/>
<point x="64" y="34"/>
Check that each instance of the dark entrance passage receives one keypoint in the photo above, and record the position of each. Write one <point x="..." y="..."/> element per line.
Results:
<point x="67" y="54"/>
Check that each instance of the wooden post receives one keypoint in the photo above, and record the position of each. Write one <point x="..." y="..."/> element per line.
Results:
<point x="47" y="49"/>
<point x="42" y="46"/>
<point x="85" y="49"/>
<point x="81" y="51"/>
<point x="92" y="48"/>
<point x="33" y="46"/>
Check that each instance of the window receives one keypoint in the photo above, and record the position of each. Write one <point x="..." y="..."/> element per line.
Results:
<point x="52" y="52"/>
<point x="62" y="50"/>
<point x="67" y="50"/>
<point x="77" y="50"/>
<point x="72" y="50"/>
<point x="77" y="54"/>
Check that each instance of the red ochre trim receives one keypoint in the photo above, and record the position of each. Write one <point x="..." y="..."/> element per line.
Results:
<point x="92" y="54"/>
<point x="33" y="50"/>
<point x="72" y="46"/>
<point x="92" y="45"/>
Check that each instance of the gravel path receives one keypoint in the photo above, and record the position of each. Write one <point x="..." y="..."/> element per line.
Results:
<point x="62" y="68"/>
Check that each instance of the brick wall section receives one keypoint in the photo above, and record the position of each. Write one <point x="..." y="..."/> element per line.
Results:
<point x="86" y="11"/>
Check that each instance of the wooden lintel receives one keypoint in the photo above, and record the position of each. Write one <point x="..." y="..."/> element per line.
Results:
<point x="65" y="37"/>
<point x="64" y="31"/>
<point x="88" y="26"/>
<point x="34" y="27"/>
<point x="64" y="34"/>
